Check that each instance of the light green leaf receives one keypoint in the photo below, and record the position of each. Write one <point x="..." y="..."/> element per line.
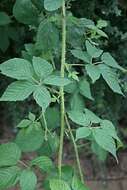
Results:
<point x="52" y="5"/>
<point x="4" y="19"/>
<point x="83" y="132"/>
<point x="42" y="67"/>
<point x="92" y="50"/>
<point x="24" y="123"/>
<point x="101" y="33"/>
<point x="25" y="12"/>
<point x="93" y="72"/>
<point x="111" y="78"/>
<point x="30" y="139"/>
<point x="102" y="24"/>
<point x="43" y="162"/>
<point x="9" y="154"/>
<point x="78" y="118"/>
<point x="84" y="87"/>
<point x="57" y="184"/>
<point x="110" y="61"/>
<point x="18" y="91"/>
<point x="28" y="180"/>
<point x="81" y="55"/>
<point x="56" y="80"/>
<point x="78" y="185"/>
<point x="17" y="68"/>
<point x="8" y="177"/>
<point x="31" y="116"/>
<point x="110" y="129"/>
<point x="92" y="117"/>
<point x="104" y="140"/>
<point x="42" y="97"/>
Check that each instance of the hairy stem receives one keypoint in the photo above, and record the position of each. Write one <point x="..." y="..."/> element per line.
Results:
<point x="75" y="149"/>
<point x="63" y="60"/>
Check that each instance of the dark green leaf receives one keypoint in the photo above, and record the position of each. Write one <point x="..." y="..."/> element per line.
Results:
<point x="4" y="19"/>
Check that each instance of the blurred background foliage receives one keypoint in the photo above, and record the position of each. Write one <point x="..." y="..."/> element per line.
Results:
<point x="14" y="35"/>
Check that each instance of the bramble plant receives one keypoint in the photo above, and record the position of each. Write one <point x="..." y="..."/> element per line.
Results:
<point x="57" y="69"/>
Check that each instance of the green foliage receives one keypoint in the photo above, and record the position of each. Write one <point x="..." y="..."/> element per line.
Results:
<point x="66" y="83"/>
<point x="8" y="177"/>
<point x="10" y="154"/>
<point x="28" y="180"/>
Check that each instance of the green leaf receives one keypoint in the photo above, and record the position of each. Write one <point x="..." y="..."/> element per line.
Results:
<point x="25" y="12"/>
<point x="92" y="50"/>
<point x="92" y="117"/>
<point x="102" y="24"/>
<point x="4" y="19"/>
<point x="110" y="129"/>
<point x="56" y="80"/>
<point x="93" y="72"/>
<point x="28" y="180"/>
<point x="8" y="177"/>
<point x="24" y="123"/>
<point x="76" y="102"/>
<point x="57" y="184"/>
<point x="104" y="140"/>
<point x="43" y="162"/>
<point x="78" y="185"/>
<point x="78" y="118"/>
<point x="52" y="5"/>
<point x="17" y="68"/>
<point x="42" y="97"/>
<point x="100" y="152"/>
<point x="110" y="61"/>
<point x="52" y="115"/>
<point x="47" y="37"/>
<point x="81" y="55"/>
<point x="84" y="87"/>
<point x="31" y="116"/>
<point x="42" y="67"/>
<point x="18" y="91"/>
<point x="30" y="139"/>
<point x="111" y="78"/>
<point x="83" y="132"/>
<point x="9" y="154"/>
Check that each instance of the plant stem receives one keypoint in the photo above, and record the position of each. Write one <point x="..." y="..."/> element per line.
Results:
<point x="62" y="106"/>
<point x="76" y="150"/>
<point x="45" y="125"/>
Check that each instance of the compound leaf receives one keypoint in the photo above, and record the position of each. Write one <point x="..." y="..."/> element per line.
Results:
<point x="17" y="68"/>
